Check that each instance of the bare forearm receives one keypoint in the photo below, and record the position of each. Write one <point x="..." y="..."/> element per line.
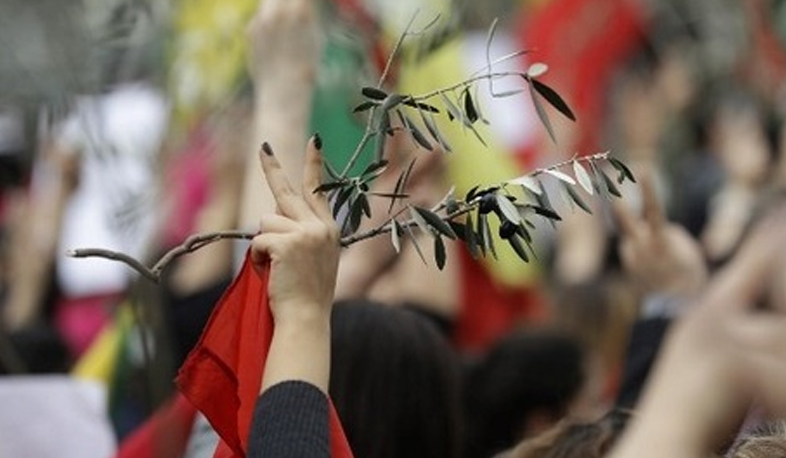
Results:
<point x="281" y="116"/>
<point x="300" y="350"/>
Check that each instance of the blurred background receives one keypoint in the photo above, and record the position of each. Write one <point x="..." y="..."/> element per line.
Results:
<point x="124" y="124"/>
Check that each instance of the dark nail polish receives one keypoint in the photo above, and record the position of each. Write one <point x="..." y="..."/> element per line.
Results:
<point x="266" y="148"/>
<point x="317" y="141"/>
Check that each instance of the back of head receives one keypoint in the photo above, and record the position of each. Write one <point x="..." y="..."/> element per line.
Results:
<point x="525" y="383"/>
<point x="572" y="439"/>
<point x="767" y="441"/>
<point x="394" y="382"/>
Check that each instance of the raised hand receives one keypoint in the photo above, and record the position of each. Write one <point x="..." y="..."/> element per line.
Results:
<point x="301" y="241"/>
<point x="660" y="256"/>
<point x="720" y="358"/>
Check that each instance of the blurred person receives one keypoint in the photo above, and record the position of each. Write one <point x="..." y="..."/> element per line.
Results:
<point x="719" y="357"/>
<point x="528" y="381"/>
<point x="574" y="438"/>
<point x="740" y="141"/>
<point x="394" y="381"/>
<point x="766" y="440"/>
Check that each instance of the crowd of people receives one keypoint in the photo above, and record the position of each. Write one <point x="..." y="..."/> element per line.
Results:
<point x="650" y="325"/>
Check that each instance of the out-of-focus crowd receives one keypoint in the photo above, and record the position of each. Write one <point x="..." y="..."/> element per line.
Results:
<point x="546" y="358"/>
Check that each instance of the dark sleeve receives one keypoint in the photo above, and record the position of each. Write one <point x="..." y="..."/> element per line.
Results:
<point x="290" y="420"/>
<point x="645" y="342"/>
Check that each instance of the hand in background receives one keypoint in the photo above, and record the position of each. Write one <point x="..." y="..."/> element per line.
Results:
<point x="718" y="359"/>
<point x="284" y="39"/>
<point x="660" y="256"/>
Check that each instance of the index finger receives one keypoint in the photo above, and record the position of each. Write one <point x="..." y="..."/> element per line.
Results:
<point x="312" y="178"/>
<point x="289" y="202"/>
<point x="653" y="211"/>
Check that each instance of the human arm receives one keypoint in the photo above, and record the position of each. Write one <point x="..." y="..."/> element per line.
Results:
<point x="718" y="359"/>
<point x="667" y="266"/>
<point x="284" y="57"/>
<point x="301" y="243"/>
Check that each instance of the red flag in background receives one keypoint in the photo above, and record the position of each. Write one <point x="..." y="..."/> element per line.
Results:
<point x="222" y="374"/>
<point x="583" y="42"/>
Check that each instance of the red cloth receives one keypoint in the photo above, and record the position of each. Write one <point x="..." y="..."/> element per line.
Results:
<point x="490" y="310"/>
<point x="583" y="42"/>
<point x="222" y="374"/>
<point x="164" y="435"/>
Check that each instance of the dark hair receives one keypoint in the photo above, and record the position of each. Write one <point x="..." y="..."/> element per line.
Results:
<point x="572" y="439"/>
<point x="528" y="372"/>
<point x="394" y="382"/>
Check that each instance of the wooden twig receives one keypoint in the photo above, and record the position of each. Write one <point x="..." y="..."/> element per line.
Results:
<point x="191" y="244"/>
<point x="198" y="241"/>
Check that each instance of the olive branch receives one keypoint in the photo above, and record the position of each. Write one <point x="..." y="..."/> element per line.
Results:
<point x="513" y="203"/>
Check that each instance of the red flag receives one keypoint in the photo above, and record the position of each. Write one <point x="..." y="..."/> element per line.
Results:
<point x="164" y="435"/>
<point x="222" y="374"/>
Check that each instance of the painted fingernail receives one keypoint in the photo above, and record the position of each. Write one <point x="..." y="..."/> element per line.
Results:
<point x="267" y="149"/>
<point x="317" y="141"/>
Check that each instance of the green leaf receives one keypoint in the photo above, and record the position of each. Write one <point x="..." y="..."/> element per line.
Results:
<point x="341" y="199"/>
<point x="379" y="147"/>
<point x="481" y="116"/>
<point x="544" y="117"/>
<point x="488" y="240"/>
<point x="375" y="168"/>
<point x="433" y="220"/>
<point x="389" y="195"/>
<point x="528" y="182"/>
<point x="419" y="220"/>
<point x="537" y="69"/>
<point x="477" y="134"/>
<point x="470" y="239"/>
<point x="515" y="243"/>
<point x="325" y="187"/>
<point x="583" y="177"/>
<point x="507" y="208"/>
<point x="395" y="235"/>
<point x="421" y="106"/>
<point x="564" y="177"/>
<point x="574" y="196"/>
<point x="365" y="106"/>
<point x="364" y="204"/>
<point x="553" y="98"/>
<point x="453" y="111"/>
<point x="523" y="232"/>
<point x="401" y="183"/>
<point x="546" y="212"/>
<point x="469" y="107"/>
<point x="440" y="255"/>
<point x="356" y="214"/>
<point x="503" y="94"/>
<point x="431" y="126"/>
<point x="622" y="169"/>
<point x="416" y="134"/>
<point x="459" y="229"/>
<point x="471" y="193"/>
<point x="392" y="101"/>
<point x="415" y="243"/>
<point x="374" y="93"/>
<point x="612" y="188"/>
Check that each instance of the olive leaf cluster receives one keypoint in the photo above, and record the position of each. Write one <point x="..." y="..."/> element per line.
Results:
<point x="513" y="204"/>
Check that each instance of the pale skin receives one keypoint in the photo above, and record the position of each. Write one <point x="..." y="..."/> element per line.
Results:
<point x="284" y="56"/>
<point x="301" y="242"/>
<point x="659" y="256"/>
<point x="718" y="360"/>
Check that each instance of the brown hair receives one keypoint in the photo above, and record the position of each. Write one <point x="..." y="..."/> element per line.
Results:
<point x="574" y="439"/>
